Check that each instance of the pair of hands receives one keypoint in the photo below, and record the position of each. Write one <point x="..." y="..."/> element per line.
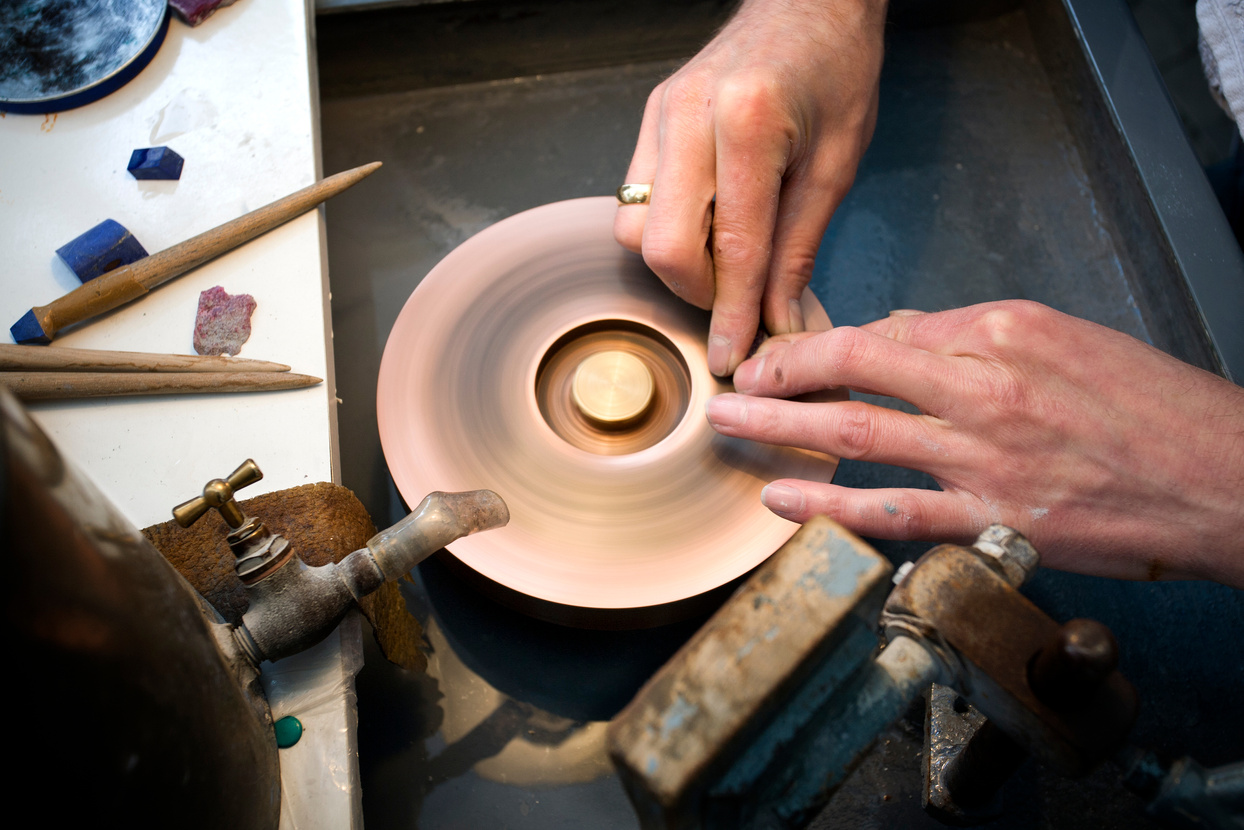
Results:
<point x="1113" y="458"/>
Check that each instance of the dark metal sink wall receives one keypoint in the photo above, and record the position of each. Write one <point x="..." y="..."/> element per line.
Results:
<point x="998" y="170"/>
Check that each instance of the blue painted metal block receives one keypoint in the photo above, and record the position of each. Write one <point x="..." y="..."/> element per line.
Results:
<point x="104" y="247"/>
<point x="718" y="719"/>
<point x="155" y="163"/>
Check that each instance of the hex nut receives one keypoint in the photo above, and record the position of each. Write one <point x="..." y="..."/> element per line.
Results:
<point x="1009" y="552"/>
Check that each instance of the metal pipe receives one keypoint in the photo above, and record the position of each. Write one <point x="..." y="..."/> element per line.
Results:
<point x="294" y="607"/>
<point x="438" y="520"/>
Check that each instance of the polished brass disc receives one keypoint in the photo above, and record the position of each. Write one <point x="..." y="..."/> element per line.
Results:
<point x="477" y="389"/>
<point x="612" y="388"/>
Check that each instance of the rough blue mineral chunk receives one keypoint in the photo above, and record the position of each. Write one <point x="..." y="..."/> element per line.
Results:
<point x="155" y="163"/>
<point x="104" y="247"/>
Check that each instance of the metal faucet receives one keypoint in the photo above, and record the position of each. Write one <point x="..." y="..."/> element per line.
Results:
<point x="293" y="606"/>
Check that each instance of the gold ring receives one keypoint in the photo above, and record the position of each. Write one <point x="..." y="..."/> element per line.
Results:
<point x="634" y="194"/>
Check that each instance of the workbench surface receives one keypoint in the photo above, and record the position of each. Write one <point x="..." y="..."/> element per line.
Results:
<point x="236" y="97"/>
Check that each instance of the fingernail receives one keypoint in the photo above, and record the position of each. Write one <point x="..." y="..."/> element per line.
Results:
<point x="782" y="498"/>
<point x="719" y="355"/>
<point x="748" y="373"/>
<point x="726" y="411"/>
<point x="905" y="312"/>
<point x="796" y="316"/>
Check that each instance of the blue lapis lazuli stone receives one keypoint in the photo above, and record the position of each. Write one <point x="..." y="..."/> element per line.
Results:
<point x="155" y="163"/>
<point x="104" y="247"/>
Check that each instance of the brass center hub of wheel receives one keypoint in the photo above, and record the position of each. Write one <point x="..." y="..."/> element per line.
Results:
<point x="613" y="387"/>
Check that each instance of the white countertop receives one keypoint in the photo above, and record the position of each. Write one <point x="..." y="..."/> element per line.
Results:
<point x="236" y="98"/>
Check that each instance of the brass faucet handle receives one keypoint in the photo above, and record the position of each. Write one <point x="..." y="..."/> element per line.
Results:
<point x="218" y="493"/>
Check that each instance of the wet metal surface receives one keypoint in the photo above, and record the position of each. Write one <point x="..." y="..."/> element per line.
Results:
<point x="950" y="723"/>
<point x="973" y="189"/>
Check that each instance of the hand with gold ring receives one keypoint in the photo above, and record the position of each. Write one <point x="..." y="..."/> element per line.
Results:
<point x="749" y="149"/>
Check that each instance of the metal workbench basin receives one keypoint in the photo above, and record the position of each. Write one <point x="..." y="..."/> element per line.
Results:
<point x="1008" y="162"/>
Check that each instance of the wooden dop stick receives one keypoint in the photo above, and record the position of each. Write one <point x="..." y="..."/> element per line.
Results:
<point x="42" y="386"/>
<point x="62" y="359"/>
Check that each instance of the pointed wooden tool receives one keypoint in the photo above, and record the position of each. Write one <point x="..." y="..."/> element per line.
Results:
<point x="43" y="386"/>
<point x="115" y="288"/>
<point x="59" y="359"/>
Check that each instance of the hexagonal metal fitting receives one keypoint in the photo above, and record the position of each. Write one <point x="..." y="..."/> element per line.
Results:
<point x="1009" y="552"/>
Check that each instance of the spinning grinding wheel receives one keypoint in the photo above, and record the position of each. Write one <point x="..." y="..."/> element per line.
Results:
<point x="543" y="361"/>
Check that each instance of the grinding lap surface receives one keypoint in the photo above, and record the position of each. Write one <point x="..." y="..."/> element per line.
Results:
<point x="457" y="410"/>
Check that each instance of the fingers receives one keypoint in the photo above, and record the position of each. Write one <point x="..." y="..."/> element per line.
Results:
<point x="849" y="429"/>
<point x="997" y="328"/>
<point x="855" y="358"/>
<point x="813" y="314"/>
<point x="930" y="515"/>
<point x="782" y="341"/>
<point x="800" y="225"/>
<point x="943" y="332"/>
<point x="752" y="157"/>
<point x="674" y="153"/>
<point x="628" y="222"/>
<point x="675" y="236"/>
<point x="808" y="317"/>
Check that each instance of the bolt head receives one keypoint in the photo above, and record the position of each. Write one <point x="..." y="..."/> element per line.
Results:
<point x="1010" y="552"/>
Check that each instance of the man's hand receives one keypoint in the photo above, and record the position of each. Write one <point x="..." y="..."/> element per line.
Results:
<point x="1112" y="457"/>
<point x="771" y="119"/>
